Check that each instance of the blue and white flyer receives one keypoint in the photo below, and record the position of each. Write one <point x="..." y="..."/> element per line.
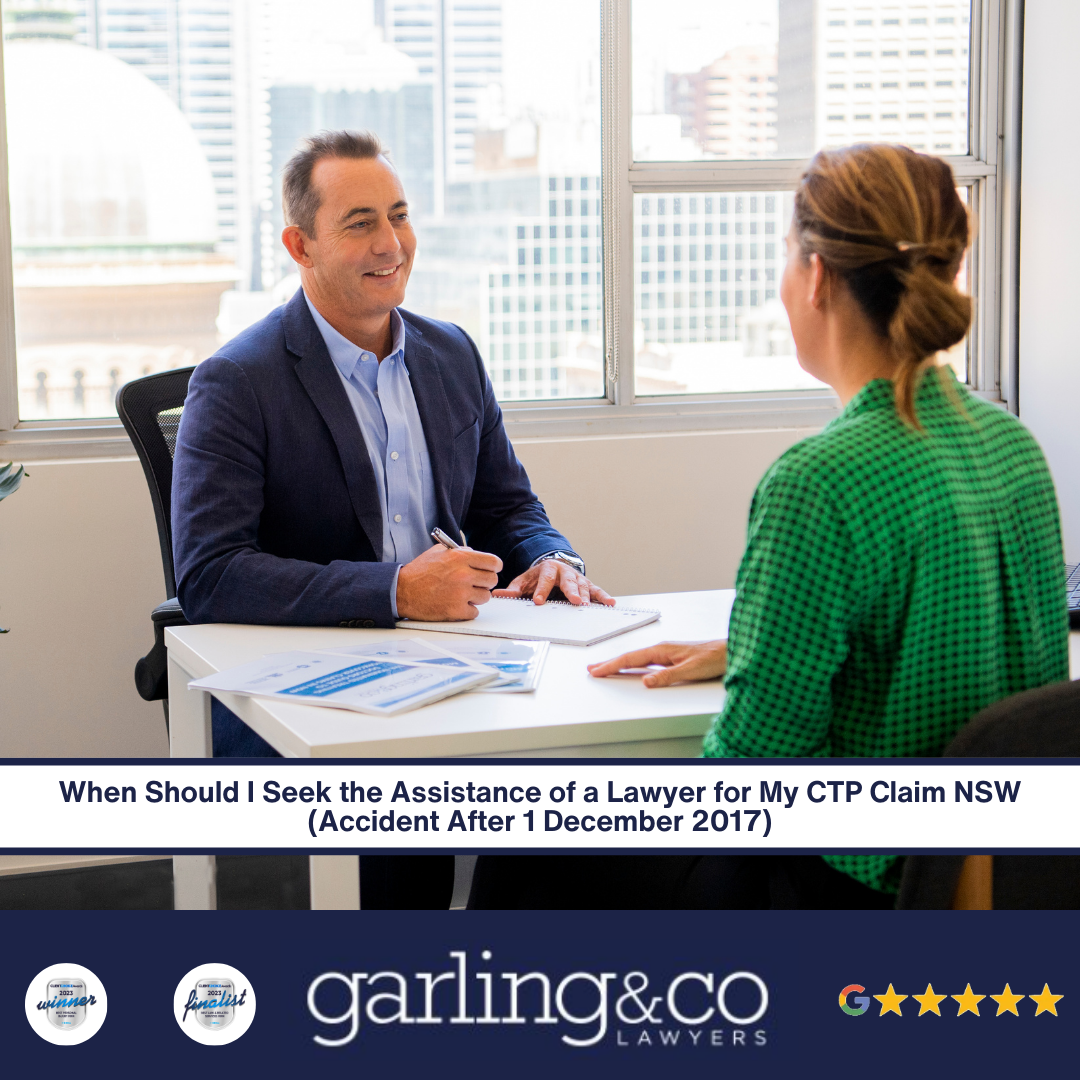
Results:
<point x="375" y="686"/>
<point x="517" y="663"/>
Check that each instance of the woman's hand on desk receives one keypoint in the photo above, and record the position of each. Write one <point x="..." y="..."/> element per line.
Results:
<point x="678" y="662"/>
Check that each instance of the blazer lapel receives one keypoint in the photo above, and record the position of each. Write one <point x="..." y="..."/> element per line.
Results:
<point x="320" y="379"/>
<point x="434" y="409"/>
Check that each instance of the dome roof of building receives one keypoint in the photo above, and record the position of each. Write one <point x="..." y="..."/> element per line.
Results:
<point x="98" y="155"/>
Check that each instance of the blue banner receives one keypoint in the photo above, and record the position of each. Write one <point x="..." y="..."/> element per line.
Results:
<point x="540" y="994"/>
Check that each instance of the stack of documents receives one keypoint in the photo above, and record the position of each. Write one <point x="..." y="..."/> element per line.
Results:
<point x="517" y="664"/>
<point x="373" y="685"/>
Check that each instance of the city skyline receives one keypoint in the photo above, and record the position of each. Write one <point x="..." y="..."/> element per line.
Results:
<point x="500" y="151"/>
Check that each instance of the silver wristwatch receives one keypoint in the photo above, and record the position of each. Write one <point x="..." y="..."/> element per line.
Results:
<point x="564" y="557"/>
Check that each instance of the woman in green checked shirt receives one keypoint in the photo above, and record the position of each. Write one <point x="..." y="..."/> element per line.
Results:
<point x="903" y="567"/>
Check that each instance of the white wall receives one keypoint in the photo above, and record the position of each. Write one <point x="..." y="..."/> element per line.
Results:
<point x="1049" y="382"/>
<point x="654" y="513"/>
<point x="80" y="569"/>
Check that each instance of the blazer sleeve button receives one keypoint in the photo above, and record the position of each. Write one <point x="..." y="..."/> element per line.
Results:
<point x="368" y="624"/>
<point x="343" y="624"/>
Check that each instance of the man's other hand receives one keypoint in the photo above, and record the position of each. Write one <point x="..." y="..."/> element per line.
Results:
<point x="679" y="662"/>
<point x="539" y="580"/>
<point x="446" y="586"/>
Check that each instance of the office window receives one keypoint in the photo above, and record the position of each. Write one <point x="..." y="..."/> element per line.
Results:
<point x="754" y="353"/>
<point x="141" y="245"/>
<point x="736" y="103"/>
<point x="166" y="247"/>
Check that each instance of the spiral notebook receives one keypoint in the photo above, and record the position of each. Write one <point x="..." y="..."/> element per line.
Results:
<point x="556" y="621"/>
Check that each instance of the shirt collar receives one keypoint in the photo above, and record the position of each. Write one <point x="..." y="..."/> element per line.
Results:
<point x="344" y="353"/>
<point x="876" y="394"/>
<point x="881" y="393"/>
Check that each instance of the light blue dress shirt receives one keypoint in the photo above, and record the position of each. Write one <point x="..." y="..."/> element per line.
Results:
<point x="382" y="398"/>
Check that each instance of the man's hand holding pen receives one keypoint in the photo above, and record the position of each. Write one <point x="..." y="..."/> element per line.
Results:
<point x="449" y="581"/>
<point x="445" y="584"/>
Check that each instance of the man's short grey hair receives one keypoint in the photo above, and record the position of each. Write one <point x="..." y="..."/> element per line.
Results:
<point x="299" y="198"/>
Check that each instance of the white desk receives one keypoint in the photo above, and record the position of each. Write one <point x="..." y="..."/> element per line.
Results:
<point x="569" y="715"/>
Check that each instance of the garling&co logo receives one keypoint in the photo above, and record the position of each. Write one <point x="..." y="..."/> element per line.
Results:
<point x="66" y="1004"/>
<point x="214" y="1004"/>
<point x="692" y="1008"/>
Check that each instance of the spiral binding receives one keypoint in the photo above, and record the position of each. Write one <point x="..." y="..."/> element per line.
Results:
<point x="584" y="607"/>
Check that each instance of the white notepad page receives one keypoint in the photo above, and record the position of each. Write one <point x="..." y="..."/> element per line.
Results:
<point x="556" y="621"/>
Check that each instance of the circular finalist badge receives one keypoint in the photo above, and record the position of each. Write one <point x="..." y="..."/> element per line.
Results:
<point x="214" y="1004"/>
<point x="66" y="1004"/>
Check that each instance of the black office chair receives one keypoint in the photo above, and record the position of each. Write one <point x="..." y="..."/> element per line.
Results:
<point x="150" y="410"/>
<point x="1037" y="723"/>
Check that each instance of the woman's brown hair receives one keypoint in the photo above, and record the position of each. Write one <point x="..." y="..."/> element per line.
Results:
<point x="889" y="223"/>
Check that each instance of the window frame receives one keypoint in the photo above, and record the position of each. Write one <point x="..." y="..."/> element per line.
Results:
<point x="990" y="170"/>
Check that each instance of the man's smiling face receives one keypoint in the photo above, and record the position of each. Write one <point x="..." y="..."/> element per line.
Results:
<point x="362" y="251"/>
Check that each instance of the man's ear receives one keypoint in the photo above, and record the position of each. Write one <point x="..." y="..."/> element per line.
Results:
<point x="295" y="241"/>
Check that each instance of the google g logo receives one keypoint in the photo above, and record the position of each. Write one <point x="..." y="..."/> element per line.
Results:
<point x="862" y="1002"/>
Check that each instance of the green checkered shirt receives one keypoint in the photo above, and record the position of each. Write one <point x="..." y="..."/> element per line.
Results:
<point x="894" y="583"/>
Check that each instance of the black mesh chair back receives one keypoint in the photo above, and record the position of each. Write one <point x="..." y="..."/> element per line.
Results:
<point x="150" y="410"/>
<point x="1038" y="723"/>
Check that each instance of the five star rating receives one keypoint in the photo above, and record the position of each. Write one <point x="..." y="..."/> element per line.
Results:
<point x="930" y="1002"/>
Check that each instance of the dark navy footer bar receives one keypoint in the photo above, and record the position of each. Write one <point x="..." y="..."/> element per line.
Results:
<point x="540" y="994"/>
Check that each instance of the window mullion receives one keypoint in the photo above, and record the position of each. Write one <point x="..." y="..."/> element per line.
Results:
<point x="1010" y="98"/>
<point x="735" y="175"/>
<point x="617" y="202"/>
<point x="9" y="381"/>
<point x="986" y="54"/>
<point x="977" y="71"/>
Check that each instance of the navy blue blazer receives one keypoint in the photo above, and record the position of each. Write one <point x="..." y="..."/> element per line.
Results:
<point x="275" y="513"/>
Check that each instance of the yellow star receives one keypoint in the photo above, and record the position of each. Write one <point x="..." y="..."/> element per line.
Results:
<point x="890" y="1001"/>
<point x="969" y="1002"/>
<point x="1006" y="1001"/>
<point x="929" y="1001"/>
<point x="1046" y="1001"/>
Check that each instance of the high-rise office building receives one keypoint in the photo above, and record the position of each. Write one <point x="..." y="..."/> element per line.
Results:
<point x="542" y="308"/>
<point x="729" y="106"/>
<point x="873" y="72"/>
<point x="706" y="271"/>
<point x="458" y="47"/>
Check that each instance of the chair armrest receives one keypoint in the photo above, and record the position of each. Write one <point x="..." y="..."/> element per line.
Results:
<point x="151" y="672"/>
<point x="168" y="614"/>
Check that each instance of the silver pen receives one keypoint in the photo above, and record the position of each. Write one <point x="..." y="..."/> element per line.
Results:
<point x="441" y="538"/>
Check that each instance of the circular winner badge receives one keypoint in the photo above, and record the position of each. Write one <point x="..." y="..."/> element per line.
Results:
<point x="214" y="1004"/>
<point x="66" y="1004"/>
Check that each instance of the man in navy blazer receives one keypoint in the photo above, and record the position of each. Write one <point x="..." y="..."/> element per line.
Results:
<point x="276" y="516"/>
<point x="318" y="449"/>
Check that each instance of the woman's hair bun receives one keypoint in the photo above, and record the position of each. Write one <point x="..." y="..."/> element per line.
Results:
<point x="890" y="223"/>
